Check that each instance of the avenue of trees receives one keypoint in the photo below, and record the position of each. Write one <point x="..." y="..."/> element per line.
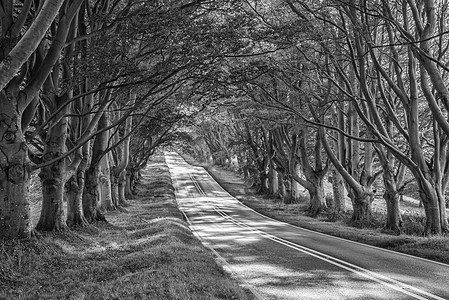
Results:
<point x="349" y="92"/>
<point x="295" y="93"/>
<point x="89" y="90"/>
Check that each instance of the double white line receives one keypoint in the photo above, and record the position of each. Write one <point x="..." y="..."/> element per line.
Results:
<point x="386" y="281"/>
<point x="379" y="278"/>
<point x="197" y="185"/>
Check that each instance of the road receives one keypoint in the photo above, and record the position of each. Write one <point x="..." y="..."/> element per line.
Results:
<point x="281" y="261"/>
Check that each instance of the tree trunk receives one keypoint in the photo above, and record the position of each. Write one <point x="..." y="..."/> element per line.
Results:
<point x="91" y="194"/>
<point x="74" y="191"/>
<point x="14" y="178"/>
<point x="338" y="191"/>
<point x="391" y="197"/>
<point x="281" y="186"/>
<point x="338" y="182"/>
<point x="121" y="189"/>
<point x="291" y="190"/>
<point x="295" y="185"/>
<point x="75" y="214"/>
<point x="429" y="196"/>
<point x="114" y="189"/>
<point x="263" y="189"/>
<point x="119" y="170"/>
<point x="128" y="185"/>
<point x="361" y="206"/>
<point x="134" y="180"/>
<point x="274" y="185"/>
<point x="443" y="214"/>
<point x="53" y="179"/>
<point x="433" y="220"/>
<point x="52" y="213"/>
<point x="317" y="197"/>
<point x="105" y="188"/>
<point x="91" y="203"/>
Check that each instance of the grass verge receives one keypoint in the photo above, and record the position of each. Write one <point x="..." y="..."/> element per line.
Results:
<point x="145" y="251"/>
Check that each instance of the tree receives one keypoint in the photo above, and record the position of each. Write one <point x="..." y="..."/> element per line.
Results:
<point x="22" y="73"/>
<point x="425" y="165"/>
<point x="58" y="85"/>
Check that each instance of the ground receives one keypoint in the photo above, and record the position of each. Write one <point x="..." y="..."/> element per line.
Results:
<point x="145" y="251"/>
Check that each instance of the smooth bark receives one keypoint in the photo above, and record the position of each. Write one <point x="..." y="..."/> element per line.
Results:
<point x="22" y="51"/>
<point x="14" y="175"/>
<point x="53" y="179"/>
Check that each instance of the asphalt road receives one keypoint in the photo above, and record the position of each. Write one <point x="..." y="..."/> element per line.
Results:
<point x="280" y="261"/>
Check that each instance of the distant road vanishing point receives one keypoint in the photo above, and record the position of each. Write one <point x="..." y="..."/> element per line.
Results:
<point x="281" y="261"/>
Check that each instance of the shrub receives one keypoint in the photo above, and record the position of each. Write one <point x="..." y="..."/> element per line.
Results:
<point x="413" y="224"/>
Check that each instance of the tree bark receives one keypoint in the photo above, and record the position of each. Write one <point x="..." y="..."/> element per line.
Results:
<point x="91" y="200"/>
<point x="114" y="189"/>
<point x="295" y="185"/>
<point x="273" y="181"/>
<point x="14" y="176"/>
<point x="391" y="193"/>
<point x="120" y="169"/>
<point x="129" y="185"/>
<point x="75" y="214"/>
<point x="338" y="187"/>
<point x="263" y="188"/>
<point x="106" y="185"/>
<point x="317" y="196"/>
<point x="121" y="189"/>
<point x="91" y="193"/>
<point x="53" y="179"/>
<point x="338" y="191"/>
<point x="391" y="197"/>
<point x="281" y="186"/>
<point x="361" y="195"/>
<point x="76" y="184"/>
<point x="314" y="176"/>
<point x="22" y="51"/>
<point x="362" y="207"/>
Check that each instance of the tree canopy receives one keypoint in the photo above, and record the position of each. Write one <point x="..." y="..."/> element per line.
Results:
<point x="291" y="93"/>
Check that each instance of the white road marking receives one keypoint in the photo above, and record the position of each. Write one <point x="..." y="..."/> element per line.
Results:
<point x="327" y="235"/>
<point x="220" y="258"/>
<point x="384" y="280"/>
<point x="394" y="284"/>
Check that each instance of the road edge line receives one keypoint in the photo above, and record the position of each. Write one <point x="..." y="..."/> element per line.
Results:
<point x="325" y="234"/>
<point x="394" y="284"/>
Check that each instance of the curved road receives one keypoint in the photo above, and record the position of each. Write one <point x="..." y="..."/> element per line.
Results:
<point x="281" y="261"/>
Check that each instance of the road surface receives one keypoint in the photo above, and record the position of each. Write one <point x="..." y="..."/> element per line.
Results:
<point x="281" y="261"/>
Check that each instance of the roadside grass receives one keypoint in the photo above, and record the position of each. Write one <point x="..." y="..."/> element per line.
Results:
<point x="145" y="251"/>
<point x="409" y="242"/>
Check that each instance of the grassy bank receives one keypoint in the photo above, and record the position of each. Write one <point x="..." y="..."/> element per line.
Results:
<point x="145" y="251"/>
<point x="434" y="248"/>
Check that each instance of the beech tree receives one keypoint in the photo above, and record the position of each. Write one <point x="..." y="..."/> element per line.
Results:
<point x="23" y="71"/>
<point x="170" y="58"/>
<point x="390" y="89"/>
<point x="388" y="77"/>
<point x="59" y="84"/>
<point x="297" y="68"/>
<point x="62" y="90"/>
